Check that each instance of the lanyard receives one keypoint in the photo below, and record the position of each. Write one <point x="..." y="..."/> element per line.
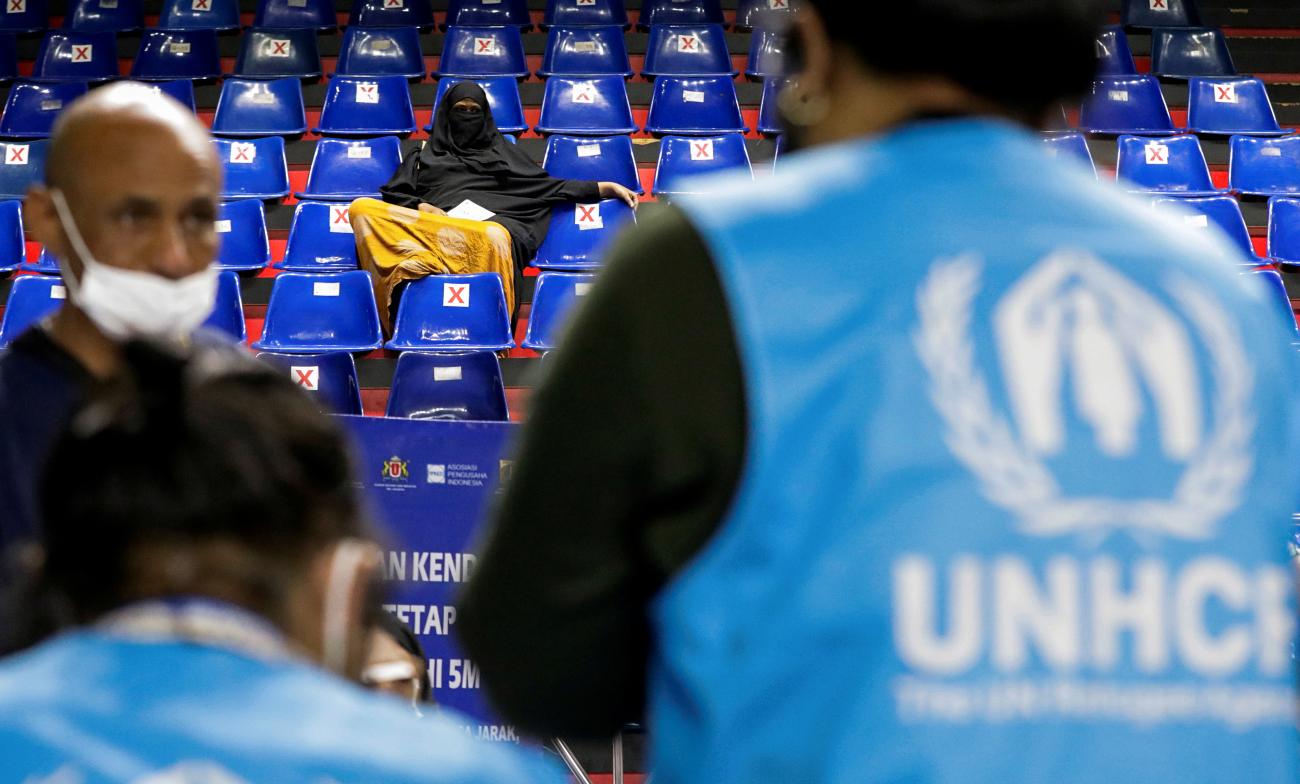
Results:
<point x="199" y="621"/>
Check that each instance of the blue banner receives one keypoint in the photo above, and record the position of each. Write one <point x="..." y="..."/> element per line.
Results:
<point x="430" y="484"/>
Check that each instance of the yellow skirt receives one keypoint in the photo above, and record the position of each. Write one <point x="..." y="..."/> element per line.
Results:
<point x="396" y="244"/>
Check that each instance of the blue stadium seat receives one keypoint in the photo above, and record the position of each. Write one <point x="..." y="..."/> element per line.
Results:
<point x="601" y="158"/>
<point x="330" y="378"/>
<point x="1126" y="104"/>
<point x="593" y="107"/>
<point x="46" y="264"/>
<point x="1277" y="295"/>
<point x="311" y="314"/>
<point x="766" y="55"/>
<point x="344" y="170"/>
<point x="1186" y="52"/>
<point x="1160" y="13"/>
<point x="1221" y="211"/>
<point x="177" y="54"/>
<point x="680" y="12"/>
<point x="1231" y="106"/>
<point x="391" y="13"/>
<point x="67" y="56"/>
<point x="25" y="16"/>
<point x="320" y="239"/>
<point x="22" y="164"/>
<point x="579" y="234"/>
<point x="1264" y="167"/>
<point x="199" y="15"/>
<point x="271" y="54"/>
<point x="1114" y="58"/>
<point x="182" y="90"/>
<point x="483" y="51"/>
<point x="32" y="298"/>
<point x="295" y="14"/>
<point x="256" y="107"/>
<point x="557" y="294"/>
<point x="1072" y="143"/>
<point x="687" y="50"/>
<point x="503" y="100"/>
<point x="683" y="157"/>
<point x="460" y="386"/>
<point x="13" y="246"/>
<point x="8" y="57"/>
<point x="381" y="51"/>
<point x="31" y="107"/>
<point x="705" y="105"/>
<point x="585" y="51"/>
<point x="255" y="168"/>
<point x="1283" y="230"/>
<point x="453" y="313"/>
<point x="228" y="311"/>
<point x="769" y="115"/>
<point x="1170" y="166"/>
<point x="241" y="226"/>
<point x="488" y="13"/>
<point x="763" y="14"/>
<point x="584" y="13"/>
<point x="91" y="16"/>
<point x="366" y="106"/>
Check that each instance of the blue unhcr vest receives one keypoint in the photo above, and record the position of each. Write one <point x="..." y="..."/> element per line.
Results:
<point x="1022" y="458"/>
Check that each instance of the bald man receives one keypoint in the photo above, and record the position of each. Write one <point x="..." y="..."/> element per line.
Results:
<point x="128" y="206"/>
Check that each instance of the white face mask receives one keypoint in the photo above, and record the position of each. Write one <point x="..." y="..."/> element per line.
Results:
<point x="127" y="304"/>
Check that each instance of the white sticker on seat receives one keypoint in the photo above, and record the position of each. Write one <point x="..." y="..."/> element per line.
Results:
<point x="1271" y="152"/>
<point x="581" y="289"/>
<point x="692" y="96"/>
<point x="306" y="376"/>
<point x="702" y="150"/>
<point x="455" y="295"/>
<point x="447" y="374"/>
<point x="586" y="47"/>
<point x="1196" y="221"/>
<point x="181" y="47"/>
<point x="367" y="92"/>
<point x="587" y="217"/>
<point x="361" y="151"/>
<point x="243" y="152"/>
<point x="223" y="226"/>
<point x="589" y="151"/>
<point x="1157" y="154"/>
<point x="485" y="46"/>
<point x="1225" y="93"/>
<point x="1118" y="95"/>
<point x="16" y="154"/>
<point x="58" y="292"/>
<point x="323" y="289"/>
<point x="51" y="105"/>
<point x="339" y="221"/>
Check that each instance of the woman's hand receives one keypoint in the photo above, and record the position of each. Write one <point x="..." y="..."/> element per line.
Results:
<point x="612" y="190"/>
<point x="432" y="210"/>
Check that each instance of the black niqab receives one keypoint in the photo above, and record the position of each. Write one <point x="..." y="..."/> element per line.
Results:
<point x="472" y="141"/>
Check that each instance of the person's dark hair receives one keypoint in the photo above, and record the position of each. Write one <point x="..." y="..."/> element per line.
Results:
<point x="1022" y="54"/>
<point x="191" y="452"/>
<point x="405" y="638"/>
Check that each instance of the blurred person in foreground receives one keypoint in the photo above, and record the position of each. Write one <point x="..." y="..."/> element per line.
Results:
<point x="928" y="458"/>
<point x="206" y="554"/>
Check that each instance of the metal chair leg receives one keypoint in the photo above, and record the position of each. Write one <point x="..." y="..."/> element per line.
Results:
<point x="618" y="758"/>
<point x="571" y="761"/>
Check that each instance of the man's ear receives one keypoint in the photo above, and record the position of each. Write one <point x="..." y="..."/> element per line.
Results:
<point x="41" y="220"/>
<point x="809" y="61"/>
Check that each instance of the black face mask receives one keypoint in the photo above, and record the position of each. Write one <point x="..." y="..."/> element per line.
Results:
<point x="467" y="128"/>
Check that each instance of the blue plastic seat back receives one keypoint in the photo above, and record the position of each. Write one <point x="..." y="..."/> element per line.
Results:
<point x="1222" y="212"/>
<point x="13" y="245"/>
<point x="32" y="107"/>
<point x="320" y="239"/>
<point x="1283" y="229"/>
<point x="317" y="313"/>
<point x="97" y="15"/>
<point x="343" y="170"/>
<point x="453" y="312"/>
<point x="1277" y="295"/>
<point x="8" y="57"/>
<point x="597" y="159"/>
<point x="241" y="226"/>
<point x="1231" y="106"/>
<point x="688" y="50"/>
<point x="330" y="379"/>
<point x="488" y="13"/>
<point x="271" y="54"/>
<point x="1264" y="167"/>
<point x="228" y="311"/>
<point x="1114" y="58"/>
<point x="46" y="264"/>
<point x="763" y="14"/>
<point x="295" y="14"/>
<point x="456" y="385"/>
<point x="483" y="51"/>
<point x="766" y="54"/>
<point x="177" y="54"/>
<point x="381" y="51"/>
<point x="680" y="12"/>
<point x="1160" y="13"/>
<point x="585" y="51"/>
<point x="391" y="13"/>
<point x="580" y="233"/>
<point x="199" y="15"/>
<point x="556" y="297"/>
<point x="1173" y="165"/>
<point x="1186" y="52"/>
<point x="503" y="99"/>
<point x="25" y="16"/>
<point x="682" y="158"/>
<point x="367" y="106"/>
<point x="255" y="168"/>
<point x="68" y="56"/>
<point x="257" y="107"/>
<point x="1126" y="104"/>
<point x="585" y="13"/>
<point x="22" y="164"/>
<point x="703" y="105"/>
<point x="596" y="106"/>
<point x="180" y="90"/>
<point x="32" y="298"/>
<point x="1072" y="143"/>
<point x="769" y="115"/>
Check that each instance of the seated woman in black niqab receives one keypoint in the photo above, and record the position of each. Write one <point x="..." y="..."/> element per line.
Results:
<point x="468" y="201"/>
